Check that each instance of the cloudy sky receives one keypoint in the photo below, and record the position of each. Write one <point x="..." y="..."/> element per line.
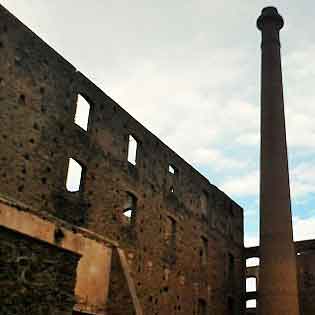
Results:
<point x="189" y="70"/>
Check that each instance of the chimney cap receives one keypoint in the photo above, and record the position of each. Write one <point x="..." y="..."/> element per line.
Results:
<point x="270" y="14"/>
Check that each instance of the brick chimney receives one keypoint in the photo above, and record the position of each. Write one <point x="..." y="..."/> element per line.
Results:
<point x="278" y="291"/>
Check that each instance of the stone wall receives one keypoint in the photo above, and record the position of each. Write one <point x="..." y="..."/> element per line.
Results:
<point x="93" y="270"/>
<point x="35" y="277"/>
<point x="201" y="263"/>
<point x="306" y="276"/>
<point x="120" y="299"/>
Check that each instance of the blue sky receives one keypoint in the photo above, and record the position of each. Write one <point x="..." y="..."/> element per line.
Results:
<point x="189" y="71"/>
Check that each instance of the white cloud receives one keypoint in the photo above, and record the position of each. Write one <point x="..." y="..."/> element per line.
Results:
<point x="303" y="180"/>
<point x="303" y="228"/>
<point x="249" y="139"/>
<point x="295" y="62"/>
<point x="216" y="158"/>
<point x="300" y="127"/>
<point x="246" y="185"/>
<point x="186" y="109"/>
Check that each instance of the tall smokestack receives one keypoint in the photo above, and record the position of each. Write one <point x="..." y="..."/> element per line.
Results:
<point x="278" y="292"/>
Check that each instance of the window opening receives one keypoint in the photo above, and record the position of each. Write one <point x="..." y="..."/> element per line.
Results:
<point x="251" y="303"/>
<point x="172" y="169"/>
<point x="252" y="262"/>
<point x="251" y="284"/>
<point x="132" y="150"/>
<point x="74" y="176"/>
<point x="81" y="117"/>
<point x="130" y="207"/>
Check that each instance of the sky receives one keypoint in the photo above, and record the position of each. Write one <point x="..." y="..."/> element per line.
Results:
<point x="189" y="71"/>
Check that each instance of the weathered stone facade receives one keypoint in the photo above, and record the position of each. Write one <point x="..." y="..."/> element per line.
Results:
<point x="35" y="277"/>
<point x="305" y="273"/>
<point x="181" y="249"/>
<point x="184" y="242"/>
<point x="306" y="277"/>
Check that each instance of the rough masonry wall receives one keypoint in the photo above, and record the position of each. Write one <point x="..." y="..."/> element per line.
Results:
<point x="306" y="275"/>
<point x="305" y="272"/>
<point x="38" y="94"/>
<point x="35" y="278"/>
<point x="119" y="290"/>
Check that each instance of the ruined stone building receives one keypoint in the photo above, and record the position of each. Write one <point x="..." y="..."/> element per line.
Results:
<point x="141" y="232"/>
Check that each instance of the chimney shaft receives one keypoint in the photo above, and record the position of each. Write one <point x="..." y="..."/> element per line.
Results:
<point x="278" y="290"/>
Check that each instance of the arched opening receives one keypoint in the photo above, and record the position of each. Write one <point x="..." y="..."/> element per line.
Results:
<point x="251" y="284"/>
<point x="74" y="176"/>
<point x="132" y="150"/>
<point x="130" y="207"/>
<point x="81" y="117"/>
<point x="252" y="262"/>
<point x="251" y="303"/>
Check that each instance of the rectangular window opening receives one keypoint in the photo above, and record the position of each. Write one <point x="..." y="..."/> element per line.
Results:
<point x="251" y="303"/>
<point x="81" y="117"/>
<point x="252" y="262"/>
<point x="132" y="150"/>
<point x="74" y="176"/>
<point x="251" y="284"/>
